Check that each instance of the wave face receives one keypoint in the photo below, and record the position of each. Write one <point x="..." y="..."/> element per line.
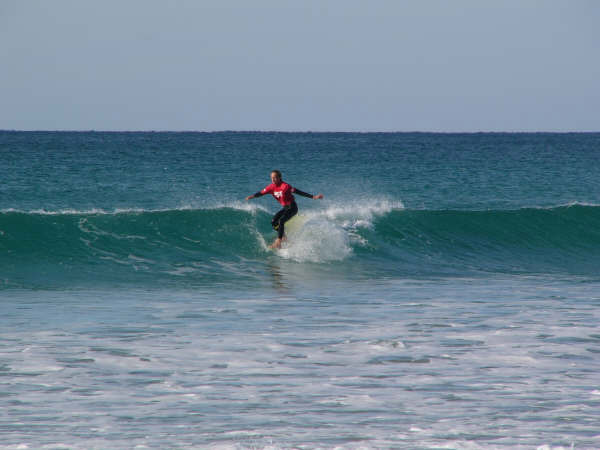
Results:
<point x="530" y="240"/>
<point x="228" y="244"/>
<point x="137" y="245"/>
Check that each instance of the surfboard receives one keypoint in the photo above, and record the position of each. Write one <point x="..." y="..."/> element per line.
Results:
<point x="293" y="225"/>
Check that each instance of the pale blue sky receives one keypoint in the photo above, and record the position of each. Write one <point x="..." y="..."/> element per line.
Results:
<point x="464" y="65"/>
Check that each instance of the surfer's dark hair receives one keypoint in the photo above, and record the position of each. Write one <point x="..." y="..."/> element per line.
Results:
<point x="276" y="172"/>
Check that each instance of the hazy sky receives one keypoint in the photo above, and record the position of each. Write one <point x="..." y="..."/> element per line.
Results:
<point x="343" y="65"/>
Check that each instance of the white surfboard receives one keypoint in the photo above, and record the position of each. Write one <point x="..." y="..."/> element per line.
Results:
<point x="294" y="225"/>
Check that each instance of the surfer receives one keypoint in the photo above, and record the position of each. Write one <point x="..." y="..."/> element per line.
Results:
<point x="283" y="194"/>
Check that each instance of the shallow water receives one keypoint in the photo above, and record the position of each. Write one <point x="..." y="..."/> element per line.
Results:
<point x="398" y="363"/>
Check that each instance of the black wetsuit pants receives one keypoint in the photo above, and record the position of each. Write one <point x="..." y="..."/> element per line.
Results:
<point x="282" y="217"/>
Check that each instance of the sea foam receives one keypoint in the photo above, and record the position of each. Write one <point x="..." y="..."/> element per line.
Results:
<point x="329" y="233"/>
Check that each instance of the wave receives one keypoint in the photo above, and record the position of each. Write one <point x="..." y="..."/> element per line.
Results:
<point x="529" y="240"/>
<point x="40" y="247"/>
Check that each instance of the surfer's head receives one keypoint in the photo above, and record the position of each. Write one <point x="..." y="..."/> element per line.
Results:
<point x="276" y="177"/>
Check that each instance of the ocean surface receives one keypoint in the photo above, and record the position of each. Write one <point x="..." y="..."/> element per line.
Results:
<point x="444" y="294"/>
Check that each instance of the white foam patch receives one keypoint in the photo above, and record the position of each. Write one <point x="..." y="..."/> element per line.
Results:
<point x="317" y="241"/>
<point x="328" y="233"/>
<point x="359" y="213"/>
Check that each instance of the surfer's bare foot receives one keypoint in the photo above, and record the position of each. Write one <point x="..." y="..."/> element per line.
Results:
<point x="276" y="244"/>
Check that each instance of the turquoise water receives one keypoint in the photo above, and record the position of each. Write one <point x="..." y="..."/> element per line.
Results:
<point x="443" y="294"/>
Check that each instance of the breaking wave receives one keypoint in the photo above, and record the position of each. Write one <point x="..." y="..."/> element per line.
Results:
<point x="41" y="247"/>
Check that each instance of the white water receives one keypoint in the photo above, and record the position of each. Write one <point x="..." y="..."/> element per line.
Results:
<point x="497" y="363"/>
<point x="327" y="233"/>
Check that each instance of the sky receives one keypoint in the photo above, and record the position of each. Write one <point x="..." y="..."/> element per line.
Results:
<point x="306" y="65"/>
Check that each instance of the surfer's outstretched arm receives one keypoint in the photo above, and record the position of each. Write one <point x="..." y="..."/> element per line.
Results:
<point x="258" y="194"/>
<point x="304" y="194"/>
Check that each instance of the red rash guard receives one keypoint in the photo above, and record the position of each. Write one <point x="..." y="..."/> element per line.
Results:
<point x="282" y="193"/>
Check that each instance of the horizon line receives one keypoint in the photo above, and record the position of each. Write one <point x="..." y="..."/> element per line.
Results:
<point x="301" y="131"/>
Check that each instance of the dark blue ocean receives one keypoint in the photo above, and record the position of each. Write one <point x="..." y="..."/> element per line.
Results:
<point x="445" y="293"/>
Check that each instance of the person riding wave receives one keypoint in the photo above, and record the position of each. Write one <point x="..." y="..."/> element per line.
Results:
<point x="283" y="193"/>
